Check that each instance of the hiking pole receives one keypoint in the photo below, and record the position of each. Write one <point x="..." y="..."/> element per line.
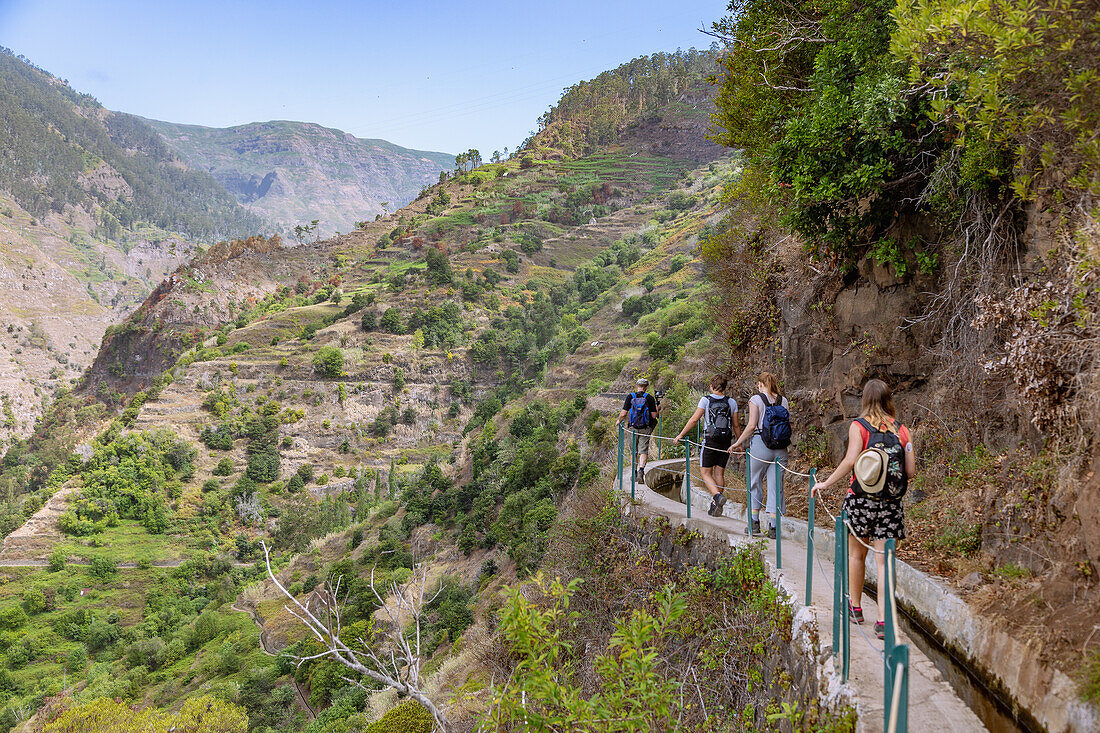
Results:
<point x="810" y="541"/>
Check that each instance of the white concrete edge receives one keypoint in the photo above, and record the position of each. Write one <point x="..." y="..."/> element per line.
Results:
<point x="1060" y="709"/>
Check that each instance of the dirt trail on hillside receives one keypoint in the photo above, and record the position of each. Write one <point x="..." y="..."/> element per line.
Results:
<point x="265" y="647"/>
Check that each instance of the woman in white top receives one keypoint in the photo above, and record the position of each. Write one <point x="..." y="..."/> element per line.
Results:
<point x="760" y="456"/>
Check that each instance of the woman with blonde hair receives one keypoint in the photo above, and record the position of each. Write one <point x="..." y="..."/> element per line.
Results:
<point x="878" y="464"/>
<point x="766" y="408"/>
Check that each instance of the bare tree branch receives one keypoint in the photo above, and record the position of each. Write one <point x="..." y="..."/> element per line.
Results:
<point x="402" y="670"/>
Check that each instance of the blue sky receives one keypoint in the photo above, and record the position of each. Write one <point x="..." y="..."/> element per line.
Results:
<point x="428" y="75"/>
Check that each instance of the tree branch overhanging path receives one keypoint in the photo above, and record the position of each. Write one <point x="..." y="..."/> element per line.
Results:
<point x="395" y="658"/>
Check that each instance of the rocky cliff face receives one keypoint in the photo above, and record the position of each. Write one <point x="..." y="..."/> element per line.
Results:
<point x="293" y="172"/>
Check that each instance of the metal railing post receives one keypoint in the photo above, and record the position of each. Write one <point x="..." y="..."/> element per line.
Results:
<point x="887" y="598"/>
<point x="748" y="488"/>
<point x="658" y="436"/>
<point x="846" y="629"/>
<point x="838" y="590"/>
<point x="633" y="464"/>
<point x="896" y="690"/>
<point x="621" y="433"/>
<point x="841" y="630"/>
<point x="810" y="540"/>
<point x="778" y="486"/>
<point x="687" y="478"/>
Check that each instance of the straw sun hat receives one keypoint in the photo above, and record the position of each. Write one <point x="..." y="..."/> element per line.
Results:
<point x="870" y="470"/>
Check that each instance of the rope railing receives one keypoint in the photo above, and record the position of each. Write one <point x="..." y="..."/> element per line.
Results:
<point x="895" y="656"/>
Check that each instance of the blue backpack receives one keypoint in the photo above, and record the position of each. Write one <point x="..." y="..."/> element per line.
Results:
<point x="775" y="424"/>
<point x="639" y="411"/>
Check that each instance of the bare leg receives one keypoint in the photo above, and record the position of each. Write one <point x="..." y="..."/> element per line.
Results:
<point x="708" y="479"/>
<point x="719" y="474"/>
<point x="880" y="563"/>
<point x="857" y="557"/>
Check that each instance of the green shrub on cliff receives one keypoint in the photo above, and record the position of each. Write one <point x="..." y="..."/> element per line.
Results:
<point x="329" y="362"/>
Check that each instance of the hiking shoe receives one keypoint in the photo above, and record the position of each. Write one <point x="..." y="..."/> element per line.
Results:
<point x="880" y="630"/>
<point x="855" y="613"/>
<point x="771" y="533"/>
<point x="715" y="509"/>
<point x="755" y="528"/>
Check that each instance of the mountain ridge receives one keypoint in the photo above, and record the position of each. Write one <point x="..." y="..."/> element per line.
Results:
<point x="292" y="172"/>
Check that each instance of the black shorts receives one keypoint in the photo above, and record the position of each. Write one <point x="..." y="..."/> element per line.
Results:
<point x="714" y="452"/>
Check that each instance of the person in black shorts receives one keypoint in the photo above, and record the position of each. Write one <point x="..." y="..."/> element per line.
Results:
<point x="720" y="424"/>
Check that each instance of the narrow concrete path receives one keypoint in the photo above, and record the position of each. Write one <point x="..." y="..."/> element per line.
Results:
<point x="933" y="704"/>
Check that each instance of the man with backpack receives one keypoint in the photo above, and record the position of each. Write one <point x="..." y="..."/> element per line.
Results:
<point x="640" y="411"/>
<point x="720" y="424"/>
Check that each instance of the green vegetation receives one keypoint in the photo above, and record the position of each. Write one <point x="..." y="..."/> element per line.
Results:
<point x="129" y="478"/>
<point x="591" y="113"/>
<point x="648" y="625"/>
<point x="202" y="714"/>
<point x="908" y="108"/>
<point x="329" y="362"/>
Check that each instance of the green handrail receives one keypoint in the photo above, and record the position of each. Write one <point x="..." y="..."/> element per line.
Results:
<point x="687" y="478"/>
<point x="658" y="436"/>
<point x="810" y="540"/>
<point x="841" y="630"/>
<point x="621" y="433"/>
<point x="887" y="598"/>
<point x="896" y="690"/>
<point x="633" y="465"/>
<point x="748" y="489"/>
<point x="778" y="515"/>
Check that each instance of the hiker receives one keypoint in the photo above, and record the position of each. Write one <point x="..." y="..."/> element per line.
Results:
<point x="640" y="410"/>
<point x="878" y="465"/>
<point x="769" y="426"/>
<point x="720" y="423"/>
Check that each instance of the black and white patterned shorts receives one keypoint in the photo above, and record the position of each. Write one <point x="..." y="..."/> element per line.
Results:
<point x="874" y="518"/>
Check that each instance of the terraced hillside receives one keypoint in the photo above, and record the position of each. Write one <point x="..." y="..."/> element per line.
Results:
<point x="348" y="374"/>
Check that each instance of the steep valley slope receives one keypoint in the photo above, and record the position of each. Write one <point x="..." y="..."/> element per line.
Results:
<point x="438" y="314"/>
<point x="94" y="211"/>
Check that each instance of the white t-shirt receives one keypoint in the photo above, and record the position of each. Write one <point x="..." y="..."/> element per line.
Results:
<point x="756" y="400"/>
<point x="703" y="402"/>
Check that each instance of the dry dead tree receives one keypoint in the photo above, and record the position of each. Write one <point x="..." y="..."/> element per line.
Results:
<point x="394" y="659"/>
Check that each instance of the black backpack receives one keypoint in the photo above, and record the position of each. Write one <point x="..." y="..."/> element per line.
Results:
<point x="775" y="424"/>
<point x="897" y="482"/>
<point x="640" y="416"/>
<point x="719" y="418"/>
